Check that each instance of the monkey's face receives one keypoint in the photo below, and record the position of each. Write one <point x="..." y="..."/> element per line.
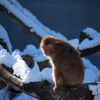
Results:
<point x="47" y="50"/>
<point x="47" y="45"/>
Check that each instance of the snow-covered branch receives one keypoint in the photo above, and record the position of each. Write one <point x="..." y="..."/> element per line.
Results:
<point x="27" y="20"/>
<point x="31" y="80"/>
<point x="4" y="40"/>
<point x="89" y="38"/>
<point x="89" y="42"/>
<point x="43" y="90"/>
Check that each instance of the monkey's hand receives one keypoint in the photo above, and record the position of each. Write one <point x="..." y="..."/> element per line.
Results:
<point x="55" y="89"/>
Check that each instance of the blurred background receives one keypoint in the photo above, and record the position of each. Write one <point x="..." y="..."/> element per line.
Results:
<point x="68" y="17"/>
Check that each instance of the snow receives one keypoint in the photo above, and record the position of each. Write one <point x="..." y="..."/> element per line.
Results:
<point x="91" y="32"/>
<point x="27" y="75"/>
<point x="92" y="73"/>
<point x="22" y="70"/>
<point x="6" y="58"/>
<point x="95" y="91"/>
<point x="32" y="50"/>
<point x="46" y="74"/>
<point x="90" y="76"/>
<point x="4" y="36"/>
<point x="29" y="19"/>
<point x="74" y="43"/>
<point x="86" y="43"/>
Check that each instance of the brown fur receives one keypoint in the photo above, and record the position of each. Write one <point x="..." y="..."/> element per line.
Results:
<point x="68" y="69"/>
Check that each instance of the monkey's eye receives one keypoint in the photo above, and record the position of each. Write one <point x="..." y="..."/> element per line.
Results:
<point x="46" y="48"/>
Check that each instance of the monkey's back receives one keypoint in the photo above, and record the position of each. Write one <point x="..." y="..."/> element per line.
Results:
<point x="70" y="69"/>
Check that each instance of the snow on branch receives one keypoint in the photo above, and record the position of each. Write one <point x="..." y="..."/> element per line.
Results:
<point x="89" y="38"/>
<point x="32" y="81"/>
<point x="89" y="42"/>
<point x="27" y="20"/>
<point x="43" y="90"/>
<point x="4" y="40"/>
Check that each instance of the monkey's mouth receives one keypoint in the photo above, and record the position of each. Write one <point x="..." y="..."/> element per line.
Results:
<point x="46" y="53"/>
<point x="46" y="50"/>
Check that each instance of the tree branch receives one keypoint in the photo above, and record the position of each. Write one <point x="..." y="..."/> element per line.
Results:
<point x="88" y="51"/>
<point x="43" y="90"/>
<point x="21" y="23"/>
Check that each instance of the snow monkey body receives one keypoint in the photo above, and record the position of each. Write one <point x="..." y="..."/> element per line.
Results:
<point x="68" y="69"/>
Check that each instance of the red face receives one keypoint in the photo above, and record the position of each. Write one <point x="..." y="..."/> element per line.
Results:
<point x="46" y="50"/>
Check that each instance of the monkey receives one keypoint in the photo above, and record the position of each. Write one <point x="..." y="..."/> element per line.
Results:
<point x="68" y="68"/>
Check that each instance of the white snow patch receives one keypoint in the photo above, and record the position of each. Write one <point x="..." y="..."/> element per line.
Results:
<point x="90" y="76"/>
<point x="74" y="43"/>
<point x="22" y="70"/>
<point x="92" y="69"/>
<point x="36" y="53"/>
<point x="40" y="57"/>
<point x="30" y="75"/>
<point x="92" y="73"/>
<point x="30" y="49"/>
<point x="91" y="32"/>
<point x="86" y="43"/>
<point x="95" y="91"/>
<point x="6" y="58"/>
<point x="46" y="74"/>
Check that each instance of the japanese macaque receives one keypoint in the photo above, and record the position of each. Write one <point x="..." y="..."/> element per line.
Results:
<point x="68" y="68"/>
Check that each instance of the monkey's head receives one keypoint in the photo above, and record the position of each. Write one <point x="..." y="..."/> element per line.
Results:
<point x="48" y="45"/>
<point x="52" y="46"/>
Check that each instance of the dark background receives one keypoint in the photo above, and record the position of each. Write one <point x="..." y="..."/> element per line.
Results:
<point x="68" y="17"/>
